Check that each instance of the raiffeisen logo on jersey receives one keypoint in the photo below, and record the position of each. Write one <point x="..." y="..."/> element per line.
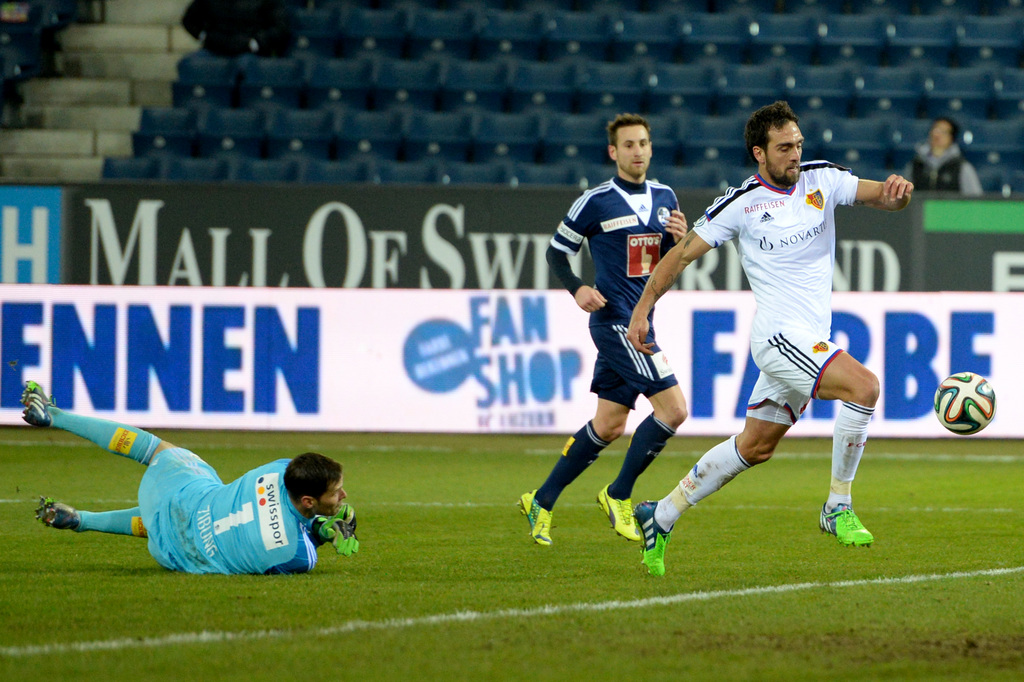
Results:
<point x="506" y="350"/>
<point x="268" y="505"/>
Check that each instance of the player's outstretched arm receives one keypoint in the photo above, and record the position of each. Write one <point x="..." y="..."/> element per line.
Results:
<point x="891" y="195"/>
<point x="660" y="281"/>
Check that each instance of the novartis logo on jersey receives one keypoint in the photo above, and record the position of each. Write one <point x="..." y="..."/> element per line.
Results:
<point x="791" y="240"/>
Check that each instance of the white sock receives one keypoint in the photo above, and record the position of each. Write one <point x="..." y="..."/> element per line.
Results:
<point x="718" y="466"/>
<point x="848" y="440"/>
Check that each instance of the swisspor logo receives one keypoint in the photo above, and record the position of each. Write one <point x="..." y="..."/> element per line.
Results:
<point x="269" y="510"/>
<point x="816" y="199"/>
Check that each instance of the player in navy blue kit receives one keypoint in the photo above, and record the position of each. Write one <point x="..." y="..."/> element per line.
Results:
<point x="628" y="222"/>
<point x="269" y="520"/>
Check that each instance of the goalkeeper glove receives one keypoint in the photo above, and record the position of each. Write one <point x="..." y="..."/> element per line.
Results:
<point x="339" y="530"/>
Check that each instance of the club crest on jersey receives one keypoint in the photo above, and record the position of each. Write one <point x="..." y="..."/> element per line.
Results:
<point x="816" y="199"/>
<point x="820" y="347"/>
<point x="663" y="214"/>
<point x="619" y="223"/>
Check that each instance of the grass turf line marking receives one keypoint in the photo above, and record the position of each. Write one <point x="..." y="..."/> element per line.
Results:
<point x="208" y="637"/>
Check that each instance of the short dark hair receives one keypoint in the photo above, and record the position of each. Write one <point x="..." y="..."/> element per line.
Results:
<point x="955" y="128"/>
<point x="623" y="120"/>
<point x="311" y="474"/>
<point x="770" y="117"/>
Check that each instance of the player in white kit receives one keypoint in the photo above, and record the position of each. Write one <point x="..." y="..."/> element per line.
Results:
<point x="783" y="222"/>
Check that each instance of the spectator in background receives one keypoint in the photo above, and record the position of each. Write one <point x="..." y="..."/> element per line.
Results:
<point x="940" y="166"/>
<point x="228" y="28"/>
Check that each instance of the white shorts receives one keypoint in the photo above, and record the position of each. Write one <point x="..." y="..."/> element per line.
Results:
<point x="791" y="365"/>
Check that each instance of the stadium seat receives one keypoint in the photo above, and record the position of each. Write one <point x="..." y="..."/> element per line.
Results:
<point x="958" y="92"/>
<point x="518" y="34"/>
<point x="646" y="37"/>
<point x="888" y="8"/>
<point x="854" y="39"/>
<point x="542" y="174"/>
<point x="989" y="41"/>
<point x="666" y="129"/>
<point x="476" y="85"/>
<point x="1008" y="93"/>
<point x="406" y="173"/>
<point x="887" y="91"/>
<point x="449" y="33"/>
<point x="373" y="32"/>
<point x="578" y="138"/>
<point x="370" y="134"/>
<point x="826" y="90"/>
<point x="602" y="87"/>
<point x="784" y="38"/>
<point x="302" y="133"/>
<point x="735" y="175"/>
<point x="344" y="83"/>
<point x="542" y="86"/>
<point x="1006" y="8"/>
<point x="271" y="81"/>
<point x="21" y="50"/>
<point x="336" y="172"/>
<point x="850" y="142"/>
<point x="166" y="131"/>
<point x="204" y="79"/>
<point x="924" y="40"/>
<point x="954" y="8"/>
<point x="673" y="88"/>
<point x="701" y="176"/>
<point x="747" y="8"/>
<point x="577" y="36"/>
<point x="439" y="135"/>
<point x="458" y="173"/>
<point x="724" y="37"/>
<point x="715" y="139"/>
<point x="744" y="87"/>
<point x="514" y="137"/>
<point x="231" y="133"/>
<point x="264" y="170"/>
<point x="589" y="175"/>
<point x="907" y="134"/>
<point x="676" y="6"/>
<point x="315" y="32"/>
<point x="194" y="170"/>
<point x="993" y="142"/>
<point x="407" y="84"/>
<point x="131" y="169"/>
<point x="817" y="8"/>
<point x="994" y="178"/>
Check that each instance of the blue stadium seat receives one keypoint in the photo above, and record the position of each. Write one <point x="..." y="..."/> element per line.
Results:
<point x="925" y="40"/>
<point x="514" y="137"/>
<point x="994" y="142"/>
<point x="131" y="169"/>
<point x="231" y="133"/>
<point x="302" y="133"/>
<point x="407" y="84"/>
<point x="785" y="38"/>
<point x="610" y="6"/>
<point x="204" y="79"/>
<point x="264" y="170"/>
<point x="672" y="88"/>
<point x="1006" y="8"/>
<point x="476" y="85"/>
<point x="744" y="87"/>
<point x="373" y="32"/>
<point x="646" y="36"/>
<point x="666" y="129"/>
<point x="543" y="174"/>
<point x="344" y="83"/>
<point x="439" y="135"/>
<point x="449" y="33"/>
<point x="715" y="139"/>
<point x="370" y="134"/>
<point x="958" y="92"/>
<point x="954" y="8"/>
<point x="851" y="142"/>
<point x="547" y="86"/>
<point x="826" y="90"/>
<point x="701" y="176"/>
<point x="167" y="131"/>
<point x="460" y="173"/>
<point x="907" y="134"/>
<point x="747" y="8"/>
<point x="888" y="8"/>
<point x="724" y="37"/>
<point x="577" y="36"/>
<point x="518" y="34"/>
<point x="315" y="32"/>
<point x="856" y="39"/>
<point x="735" y="175"/>
<point x="676" y="6"/>
<point x="994" y="178"/>
<point x="602" y="87"/>
<point x="577" y="138"/>
<point x="21" y="43"/>
<point x="59" y="13"/>
<point x="194" y="170"/>
<point x="336" y="172"/>
<point x="989" y="41"/>
<point x="588" y="175"/>
<point x="888" y="91"/>
<point x="271" y="81"/>
<point x="406" y="173"/>
<point x="818" y="8"/>
<point x="1008" y="93"/>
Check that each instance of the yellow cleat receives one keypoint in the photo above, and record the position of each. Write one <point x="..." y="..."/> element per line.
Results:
<point x="620" y="514"/>
<point x="539" y="518"/>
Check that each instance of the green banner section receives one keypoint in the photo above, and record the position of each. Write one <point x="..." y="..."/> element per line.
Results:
<point x="974" y="217"/>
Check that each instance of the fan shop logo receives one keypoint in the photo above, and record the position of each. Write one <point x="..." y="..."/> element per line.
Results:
<point x="506" y="352"/>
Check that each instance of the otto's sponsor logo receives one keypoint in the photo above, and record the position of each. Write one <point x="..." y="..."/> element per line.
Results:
<point x="619" y="223"/>
<point x="644" y="253"/>
<point x="268" y="505"/>
<point x="820" y="347"/>
<point x="574" y="237"/>
<point x="816" y="199"/>
<point x="764" y="206"/>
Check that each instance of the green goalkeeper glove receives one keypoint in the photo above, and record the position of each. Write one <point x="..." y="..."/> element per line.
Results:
<point x="339" y="530"/>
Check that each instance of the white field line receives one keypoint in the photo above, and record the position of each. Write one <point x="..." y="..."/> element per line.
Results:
<point x="442" y="619"/>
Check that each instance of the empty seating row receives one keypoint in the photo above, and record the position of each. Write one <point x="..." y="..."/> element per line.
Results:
<point x="24" y="28"/>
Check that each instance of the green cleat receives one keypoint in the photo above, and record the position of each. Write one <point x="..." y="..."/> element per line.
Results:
<point x="37" y="405"/>
<point x="655" y="538"/>
<point x="844" y="524"/>
<point x="57" y="514"/>
<point x="539" y="518"/>
<point x="620" y="514"/>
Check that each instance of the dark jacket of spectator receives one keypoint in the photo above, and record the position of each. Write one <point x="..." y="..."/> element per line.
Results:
<point x="232" y="27"/>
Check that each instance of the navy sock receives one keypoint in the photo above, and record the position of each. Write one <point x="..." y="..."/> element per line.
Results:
<point x="648" y="441"/>
<point x="580" y="452"/>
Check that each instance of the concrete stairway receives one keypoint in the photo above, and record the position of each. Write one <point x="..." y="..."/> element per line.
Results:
<point x="110" y="71"/>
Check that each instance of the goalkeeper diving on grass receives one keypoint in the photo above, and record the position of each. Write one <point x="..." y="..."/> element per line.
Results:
<point x="269" y="520"/>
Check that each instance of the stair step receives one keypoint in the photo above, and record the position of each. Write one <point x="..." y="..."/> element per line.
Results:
<point x="48" y="143"/>
<point x="121" y="119"/>
<point x="102" y="91"/>
<point x="89" y="169"/>
<point x="167" y="12"/>
<point x="112" y="38"/>
<point x="131" y="65"/>
<point x="152" y="93"/>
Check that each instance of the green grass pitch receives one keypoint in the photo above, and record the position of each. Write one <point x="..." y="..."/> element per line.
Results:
<point x="448" y="586"/>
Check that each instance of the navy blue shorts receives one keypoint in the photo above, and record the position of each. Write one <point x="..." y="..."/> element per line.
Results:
<point x="622" y="373"/>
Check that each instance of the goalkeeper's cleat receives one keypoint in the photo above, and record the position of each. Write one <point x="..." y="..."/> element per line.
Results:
<point x="37" y="405"/>
<point x="57" y="514"/>
<point x="655" y="538"/>
<point x="845" y="525"/>
<point x="539" y="518"/>
<point x="620" y="514"/>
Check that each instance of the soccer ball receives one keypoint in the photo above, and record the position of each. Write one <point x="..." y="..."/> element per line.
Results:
<point x="965" y="403"/>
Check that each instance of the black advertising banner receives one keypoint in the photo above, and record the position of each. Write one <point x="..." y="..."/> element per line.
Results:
<point x="370" y="236"/>
<point x="973" y="245"/>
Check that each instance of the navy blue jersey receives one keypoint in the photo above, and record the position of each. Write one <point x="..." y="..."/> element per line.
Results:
<point x="625" y="226"/>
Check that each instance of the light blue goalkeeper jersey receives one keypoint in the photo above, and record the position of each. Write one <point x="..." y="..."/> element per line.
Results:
<point x="197" y="524"/>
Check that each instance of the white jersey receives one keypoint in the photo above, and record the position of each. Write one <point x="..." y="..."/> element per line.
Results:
<point x="787" y="244"/>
